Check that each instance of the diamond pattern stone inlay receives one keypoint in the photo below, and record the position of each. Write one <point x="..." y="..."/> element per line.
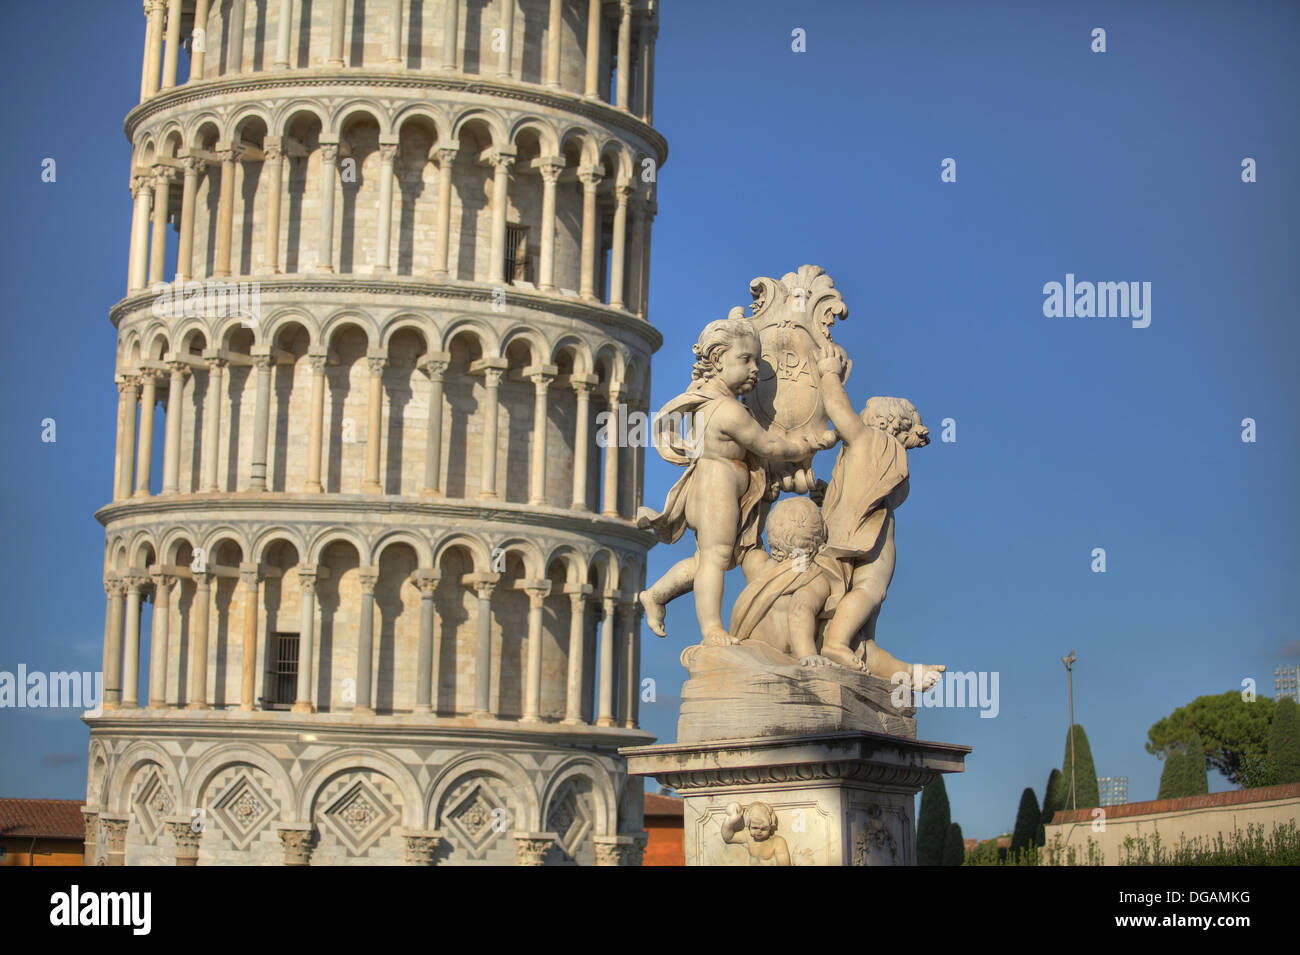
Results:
<point x="478" y="819"/>
<point x="153" y="804"/>
<point x="360" y="816"/>
<point x="242" y="811"/>
<point x="570" y="819"/>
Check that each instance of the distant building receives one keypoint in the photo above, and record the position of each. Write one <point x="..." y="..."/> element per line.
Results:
<point x="41" y="832"/>
<point x="1114" y="790"/>
<point x="1286" y="681"/>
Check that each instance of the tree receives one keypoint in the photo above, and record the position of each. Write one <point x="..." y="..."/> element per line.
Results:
<point x="1231" y="729"/>
<point x="1284" y="743"/>
<point x="1086" y="793"/>
<point x="1028" y="819"/>
<point x="1053" y="802"/>
<point x="932" y="824"/>
<point x="954" y="846"/>
<point x="1184" y="772"/>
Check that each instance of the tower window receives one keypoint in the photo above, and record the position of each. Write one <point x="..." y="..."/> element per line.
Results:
<point x="518" y="264"/>
<point x="284" y="672"/>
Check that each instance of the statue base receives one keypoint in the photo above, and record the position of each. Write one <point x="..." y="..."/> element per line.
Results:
<point x="842" y="798"/>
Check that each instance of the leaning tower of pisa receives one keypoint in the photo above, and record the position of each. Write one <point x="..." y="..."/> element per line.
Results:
<point x="370" y="565"/>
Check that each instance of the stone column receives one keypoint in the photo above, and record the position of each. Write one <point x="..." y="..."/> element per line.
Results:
<point x="115" y="588"/>
<point x="501" y="163"/>
<point x="225" y="209"/>
<point x="550" y="170"/>
<point x="393" y="42"/>
<point x="135" y="584"/>
<point x="91" y="819"/>
<point x="235" y="45"/>
<point x="366" y="641"/>
<point x="128" y="391"/>
<point x="553" y="27"/>
<point x="593" y="48"/>
<point x="187" y="838"/>
<point x="142" y="190"/>
<point x="648" y="68"/>
<point x="507" y="36"/>
<point x="631" y="708"/>
<point x="185" y="244"/>
<point x="262" y="361"/>
<point x="609" y="504"/>
<point x="636" y="287"/>
<point x="492" y="380"/>
<point x="642" y="57"/>
<point x="283" y="38"/>
<point x="614" y="850"/>
<point x="338" y="14"/>
<point x="624" y="52"/>
<point x="590" y="177"/>
<point x="153" y="47"/>
<point x="533" y="675"/>
<point x="199" y="40"/>
<point x="444" y="158"/>
<point x="578" y="595"/>
<point x="196" y="696"/>
<point x="650" y="209"/>
<point x="450" y="33"/>
<point x="158" y="244"/>
<point x="531" y="848"/>
<point x="273" y="169"/>
<point x="383" y="253"/>
<point x="422" y="846"/>
<point x="297" y="840"/>
<point x="375" y="423"/>
<point x="159" y="640"/>
<point x="537" y="479"/>
<point x="629" y="474"/>
<point x="434" y="365"/>
<point x="306" y="638"/>
<point x="115" y="835"/>
<point x="175" y="415"/>
<point x="314" y="434"/>
<point x="120" y="430"/>
<point x="619" y="252"/>
<point x="212" y="419"/>
<point x="329" y="154"/>
<point x="580" y="443"/>
<point x="427" y="581"/>
<point x="148" y="398"/>
<point x="173" y="45"/>
<point x="249" y="575"/>
<point x="605" y="711"/>
<point x="483" y="647"/>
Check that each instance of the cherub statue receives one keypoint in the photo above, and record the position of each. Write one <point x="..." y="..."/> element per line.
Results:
<point x="723" y="494"/>
<point x="868" y="484"/>
<point x="759" y="824"/>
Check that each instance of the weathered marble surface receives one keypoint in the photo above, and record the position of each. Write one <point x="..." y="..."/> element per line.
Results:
<point x="752" y="689"/>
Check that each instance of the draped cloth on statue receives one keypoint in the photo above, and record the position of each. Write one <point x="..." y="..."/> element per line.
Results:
<point x="869" y="480"/>
<point x="776" y="581"/>
<point x="682" y="447"/>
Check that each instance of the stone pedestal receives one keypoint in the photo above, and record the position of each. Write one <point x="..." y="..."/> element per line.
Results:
<point x="841" y="798"/>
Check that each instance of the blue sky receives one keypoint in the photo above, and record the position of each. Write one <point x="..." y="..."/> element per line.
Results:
<point x="1071" y="433"/>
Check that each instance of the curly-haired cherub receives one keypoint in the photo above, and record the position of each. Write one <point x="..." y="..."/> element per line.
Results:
<point x="723" y="492"/>
<point x="758" y="821"/>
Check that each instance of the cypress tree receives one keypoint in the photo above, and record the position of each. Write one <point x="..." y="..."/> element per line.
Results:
<point x="1028" y="819"/>
<point x="1198" y="782"/>
<point x="1051" y="803"/>
<point x="932" y="824"/>
<point x="1172" y="776"/>
<point x="954" y="847"/>
<point x="1284" y="743"/>
<point x="1086" y="789"/>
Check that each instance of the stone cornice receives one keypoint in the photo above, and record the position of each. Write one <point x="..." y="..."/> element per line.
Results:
<point x="331" y="508"/>
<point x="439" y="293"/>
<point x="272" y="726"/>
<point x="296" y="80"/>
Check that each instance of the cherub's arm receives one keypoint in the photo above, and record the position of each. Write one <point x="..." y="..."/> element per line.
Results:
<point x="836" y="402"/>
<point x="781" y="851"/>
<point x="738" y="425"/>
<point x="734" y="822"/>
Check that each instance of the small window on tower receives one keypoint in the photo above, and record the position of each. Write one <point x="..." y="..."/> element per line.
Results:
<point x="284" y="671"/>
<point x="518" y="264"/>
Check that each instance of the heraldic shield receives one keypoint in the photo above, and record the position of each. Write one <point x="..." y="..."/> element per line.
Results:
<point x="793" y="318"/>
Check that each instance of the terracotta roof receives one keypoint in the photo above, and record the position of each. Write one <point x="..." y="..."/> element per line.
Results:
<point x="1210" y="801"/>
<point x="46" y="818"/>
<point x="656" y="805"/>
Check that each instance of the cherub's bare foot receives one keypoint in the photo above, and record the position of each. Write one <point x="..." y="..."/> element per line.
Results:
<point x="844" y="657"/>
<point x="816" y="660"/>
<point x="654" y="613"/>
<point x="718" y="637"/>
<point x="882" y="663"/>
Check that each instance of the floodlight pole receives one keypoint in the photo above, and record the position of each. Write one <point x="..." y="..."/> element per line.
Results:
<point x="1069" y="669"/>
